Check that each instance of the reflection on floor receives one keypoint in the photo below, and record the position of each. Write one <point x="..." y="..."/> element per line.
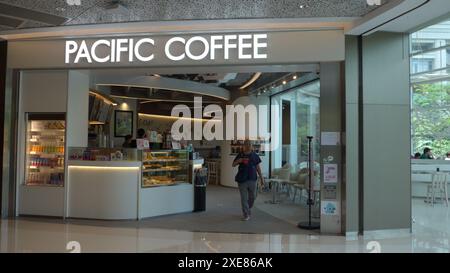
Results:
<point x="223" y="214"/>
<point x="431" y="234"/>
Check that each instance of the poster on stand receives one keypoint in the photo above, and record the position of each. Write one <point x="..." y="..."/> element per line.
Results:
<point x="330" y="173"/>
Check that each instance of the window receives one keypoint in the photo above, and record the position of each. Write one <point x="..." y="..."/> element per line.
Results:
<point x="421" y="65"/>
<point x="430" y="87"/>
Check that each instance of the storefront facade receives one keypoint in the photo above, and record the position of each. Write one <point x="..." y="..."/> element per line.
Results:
<point x="351" y="102"/>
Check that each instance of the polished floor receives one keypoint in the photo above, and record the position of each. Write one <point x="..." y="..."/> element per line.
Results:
<point x="431" y="234"/>
<point x="223" y="214"/>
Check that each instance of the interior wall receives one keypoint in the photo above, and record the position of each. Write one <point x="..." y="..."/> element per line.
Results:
<point x="3" y="54"/>
<point x="49" y="88"/>
<point x="331" y="120"/>
<point x="124" y="105"/>
<point x="386" y="110"/>
<point x="77" y="109"/>
<point x="351" y="136"/>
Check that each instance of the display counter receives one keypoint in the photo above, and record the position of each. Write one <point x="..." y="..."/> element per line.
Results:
<point x="104" y="190"/>
<point x="135" y="185"/>
<point x="165" y="184"/>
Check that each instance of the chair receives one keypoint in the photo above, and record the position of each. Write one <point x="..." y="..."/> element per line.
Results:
<point x="300" y="184"/>
<point x="213" y="172"/>
<point x="438" y="186"/>
<point x="283" y="174"/>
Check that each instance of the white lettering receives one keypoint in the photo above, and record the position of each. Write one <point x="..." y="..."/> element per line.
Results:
<point x="197" y="48"/>
<point x="167" y="49"/>
<point x="131" y="51"/>
<point x="243" y="45"/>
<point x="94" y="53"/>
<point x="257" y="45"/>
<point x="113" y="49"/>
<point x="121" y="48"/>
<point x="71" y="47"/>
<point x="83" y="52"/>
<point x="229" y="45"/>
<point x="205" y="49"/>
<point x="215" y="46"/>
<point x="138" y="54"/>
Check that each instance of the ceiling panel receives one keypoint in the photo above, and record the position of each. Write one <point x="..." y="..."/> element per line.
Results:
<point x="96" y="11"/>
<point x="30" y="14"/>
<point x="10" y="22"/>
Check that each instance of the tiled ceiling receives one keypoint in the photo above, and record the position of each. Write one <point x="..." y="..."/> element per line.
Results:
<point x="97" y="11"/>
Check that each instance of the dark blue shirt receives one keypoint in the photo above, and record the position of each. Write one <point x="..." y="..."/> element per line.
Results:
<point x="247" y="171"/>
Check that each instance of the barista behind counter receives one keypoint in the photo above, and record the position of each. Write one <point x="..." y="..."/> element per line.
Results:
<point x="132" y="143"/>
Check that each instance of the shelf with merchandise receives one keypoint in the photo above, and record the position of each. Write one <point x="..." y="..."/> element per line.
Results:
<point x="45" y="150"/>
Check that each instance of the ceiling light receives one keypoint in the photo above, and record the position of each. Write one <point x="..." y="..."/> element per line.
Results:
<point x="251" y="81"/>
<point x="73" y="2"/>
<point x="284" y="82"/>
<point x="295" y="77"/>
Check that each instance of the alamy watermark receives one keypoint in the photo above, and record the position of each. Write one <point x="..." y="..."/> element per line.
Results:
<point x="239" y="122"/>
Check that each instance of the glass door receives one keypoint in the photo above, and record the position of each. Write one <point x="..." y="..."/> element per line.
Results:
<point x="45" y="142"/>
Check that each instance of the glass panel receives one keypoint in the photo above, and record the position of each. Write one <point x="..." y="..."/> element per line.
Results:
<point x="431" y="118"/>
<point x="165" y="168"/>
<point x="45" y="152"/>
<point x="430" y="75"/>
<point x="301" y="108"/>
<point x="430" y="61"/>
<point x="431" y="37"/>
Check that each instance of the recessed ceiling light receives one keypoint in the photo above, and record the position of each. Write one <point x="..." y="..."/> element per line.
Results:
<point x="295" y="77"/>
<point x="284" y="82"/>
<point x="73" y="2"/>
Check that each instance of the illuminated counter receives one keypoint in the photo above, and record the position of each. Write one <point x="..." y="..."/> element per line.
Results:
<point x="103" y="190"/>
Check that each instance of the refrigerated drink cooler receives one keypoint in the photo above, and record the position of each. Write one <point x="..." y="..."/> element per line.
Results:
<point x="45" y="142"/>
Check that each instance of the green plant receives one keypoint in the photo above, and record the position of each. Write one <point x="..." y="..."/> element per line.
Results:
<point x="430" y="117"/>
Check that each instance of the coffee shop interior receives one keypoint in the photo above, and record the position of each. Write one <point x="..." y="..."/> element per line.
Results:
<point x="104" y="150"/>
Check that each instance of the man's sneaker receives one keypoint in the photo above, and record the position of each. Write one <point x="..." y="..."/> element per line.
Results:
<point x="245" y="218"/>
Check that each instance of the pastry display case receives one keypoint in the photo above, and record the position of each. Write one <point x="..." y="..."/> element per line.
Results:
<point x="165" y="168"/>
<point x="45" y="141"/>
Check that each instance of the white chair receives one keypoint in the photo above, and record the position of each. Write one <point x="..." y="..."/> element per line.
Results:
<point x="213" y="172"/>
<point x="438" y="187"/>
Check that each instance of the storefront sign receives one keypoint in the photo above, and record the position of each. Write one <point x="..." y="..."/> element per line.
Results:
<point x="196" y="48"/>
<point x="187" y="50"/>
